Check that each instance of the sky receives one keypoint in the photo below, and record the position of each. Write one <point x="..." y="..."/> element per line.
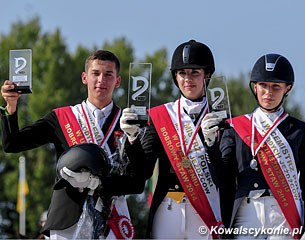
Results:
<point x="237" y="31"/>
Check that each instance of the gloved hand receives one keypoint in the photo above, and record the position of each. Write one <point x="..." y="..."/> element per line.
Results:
<point x="210" y="128"/>
<point x="80" y="179"/>
<point x="131" y="130"/>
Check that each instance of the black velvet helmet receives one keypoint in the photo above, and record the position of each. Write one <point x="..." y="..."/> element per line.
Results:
<point x="272" y="68"/>
<point x="192" y="54"/>
<point x="85" y="156"/>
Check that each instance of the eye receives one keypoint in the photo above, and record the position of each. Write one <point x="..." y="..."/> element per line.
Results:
<point x="110" y="75"/>
<point x="263" y="85"/>
<point x="196" y="73"/>
<point x="95" y="73"/>
<point x="277" y="87"/>
<point x="181" y="73"/>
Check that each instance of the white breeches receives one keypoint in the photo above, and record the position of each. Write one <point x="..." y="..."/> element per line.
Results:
<point x="262" y="217"/>
<point x="177" y="221"/>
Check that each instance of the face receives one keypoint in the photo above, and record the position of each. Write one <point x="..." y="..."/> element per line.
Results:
<point x="270" y="94"/>
<point x="191" y="82"/>
<point x="101" y="79"/>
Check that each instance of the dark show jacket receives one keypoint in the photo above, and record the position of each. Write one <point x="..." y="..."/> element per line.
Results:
<point x="66" y="204"/>
<point x="150" y="151"/>
<point x="237" y="178"/>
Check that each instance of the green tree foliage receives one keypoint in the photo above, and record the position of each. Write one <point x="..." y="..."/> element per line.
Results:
<point x="162" y="89"/>
<point x="241" y="99"/>
<point x="51" y="64"/>
<point x="57" y="82"/>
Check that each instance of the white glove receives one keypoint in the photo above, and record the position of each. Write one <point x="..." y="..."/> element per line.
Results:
<point x="209" y="120"/>
<point x="80" y="179"/>
<point x="131" y="130"/>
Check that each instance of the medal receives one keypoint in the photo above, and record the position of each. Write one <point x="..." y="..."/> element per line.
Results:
<point x="254" y="151"/>
<point x="253" y="164"/>
<point x="186" y="163"/>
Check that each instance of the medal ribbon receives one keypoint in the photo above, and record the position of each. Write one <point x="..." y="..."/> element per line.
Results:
<point x="89" y="123"/>
<point x="278" y="120"/>
<point x="186" y="149"/>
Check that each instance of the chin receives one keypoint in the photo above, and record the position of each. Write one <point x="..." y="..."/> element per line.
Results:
<point x="267" y="106"/>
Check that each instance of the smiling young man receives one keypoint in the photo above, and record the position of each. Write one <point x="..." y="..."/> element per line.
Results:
<point x="101" y="78"/>
<point x="95" y="120"/>
<point x="263" y="158"/>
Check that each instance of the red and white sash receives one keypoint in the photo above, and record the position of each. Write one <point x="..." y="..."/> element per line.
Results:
<point x="79" y="126"/>
<point x="276" y="160"/>
<point x="186" y="152"/>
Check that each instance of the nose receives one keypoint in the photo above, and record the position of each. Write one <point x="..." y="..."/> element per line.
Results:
<point x="188" y="77"/>
<point x="269" y="89"/>
<point x="100" y="78"/>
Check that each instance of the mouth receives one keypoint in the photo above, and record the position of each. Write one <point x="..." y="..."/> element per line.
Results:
<point x="101" y="88"/>
<point x="187" y="87"/>
<point x="268" y="100"/>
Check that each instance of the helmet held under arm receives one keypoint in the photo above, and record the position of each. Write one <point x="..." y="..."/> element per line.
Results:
<point x="85" y="156"/>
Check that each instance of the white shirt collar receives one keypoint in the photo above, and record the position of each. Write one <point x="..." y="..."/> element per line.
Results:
<point x="192" y="107"/>
<point x="106" y="110"/>
<point x="272" y="116"/>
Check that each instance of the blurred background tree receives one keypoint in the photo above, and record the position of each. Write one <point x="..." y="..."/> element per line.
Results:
<point x="57" y="82"/>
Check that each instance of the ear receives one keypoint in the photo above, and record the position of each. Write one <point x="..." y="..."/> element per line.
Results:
<point x="255" y="87"/>
<point x="288" y="89"/>
<point x="118" y="81"/>
<point x="84" y="78"/>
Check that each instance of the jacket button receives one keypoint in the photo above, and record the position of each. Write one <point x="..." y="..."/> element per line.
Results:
<point x="256" y="185"/>
<point x="176" y="187"/>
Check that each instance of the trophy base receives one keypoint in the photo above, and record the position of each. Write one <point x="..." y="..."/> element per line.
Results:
<point x="22" y="89"/>
<point x="222" y="125"/>
<point x="141" y="122"/>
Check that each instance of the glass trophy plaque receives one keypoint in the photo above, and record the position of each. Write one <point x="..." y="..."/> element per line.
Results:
<point x="139" y="90"/>
<point x="21" y="70"/>
<point x="218" y="98"/>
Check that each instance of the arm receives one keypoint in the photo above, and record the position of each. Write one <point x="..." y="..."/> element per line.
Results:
<point x="301" y="166"/>
<point x="142" y="155"/>
<point x="149" y="147"/>
<point x="131" y="182"/>
<point x="227" y="174"/>
<point x="145" y="146"/>
<point x="142" y="159"/>
<point x="16" y="140"/>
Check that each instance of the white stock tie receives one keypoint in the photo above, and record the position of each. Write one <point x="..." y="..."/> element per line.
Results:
<point x="100" y="117"/>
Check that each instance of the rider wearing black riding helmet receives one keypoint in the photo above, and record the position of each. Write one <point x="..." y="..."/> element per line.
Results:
<point x="189" y="55"/>
<point x="272" y="68"/>
<point x="263" y="157"/>
<point x="179" y="136"/>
